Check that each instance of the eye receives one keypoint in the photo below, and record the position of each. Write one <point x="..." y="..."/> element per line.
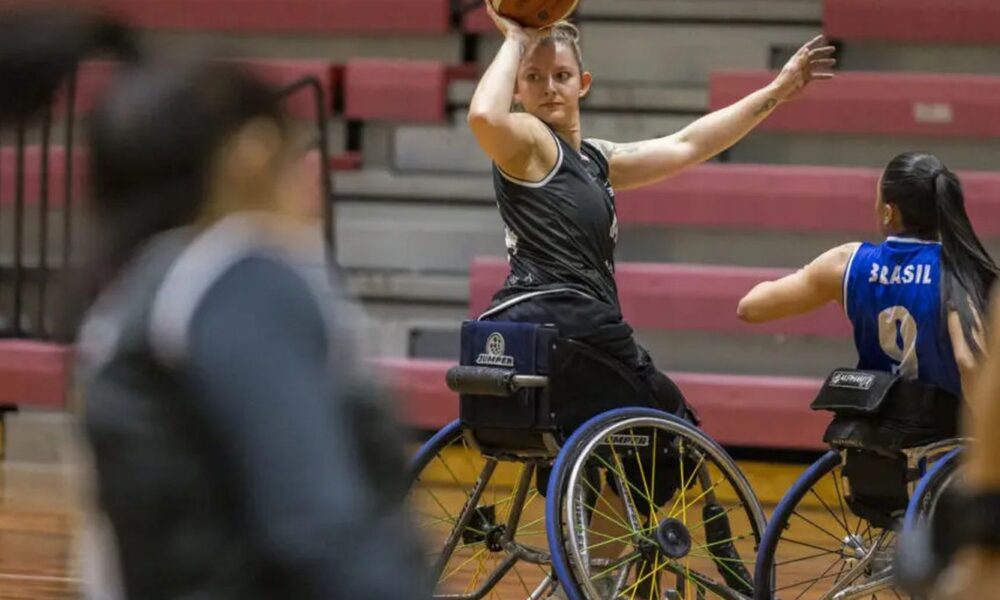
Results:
<point x="564" y="76"/>
<point x="533" y="77"/>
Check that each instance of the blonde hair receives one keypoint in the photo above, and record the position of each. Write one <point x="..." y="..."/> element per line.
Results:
<point x="564" y="32"/>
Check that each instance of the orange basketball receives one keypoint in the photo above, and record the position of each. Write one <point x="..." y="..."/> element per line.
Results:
<point x="535" y="13"/>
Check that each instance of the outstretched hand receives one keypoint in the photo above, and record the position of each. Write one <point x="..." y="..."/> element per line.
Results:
<point x="812" y="62"/>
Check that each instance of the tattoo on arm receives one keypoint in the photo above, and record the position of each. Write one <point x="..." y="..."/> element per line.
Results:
<point x="631" y="148"/>
<point x="765" y="108"/>
<point x="612" y="149"/>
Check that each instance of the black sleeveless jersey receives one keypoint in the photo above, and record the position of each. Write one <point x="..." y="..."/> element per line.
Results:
<point x="561" y="232"/>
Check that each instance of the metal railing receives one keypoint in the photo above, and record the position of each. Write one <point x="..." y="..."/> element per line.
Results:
<point x="28" y="273"/>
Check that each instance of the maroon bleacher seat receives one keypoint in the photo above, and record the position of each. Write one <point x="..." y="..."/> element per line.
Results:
<point x="35" y="374"/>
<point x="677" y="297"/>
<point x="884" y="104"/>
<point x="33" y="175"/>
<point x="421" y="17"/>
<point x="94" y="77"/>
<point x="396" y="90"/>
<point x="742" y="410"/>
<point x="477" y="21"/>
<point x="921" y="21"/>
<point x="282" y="73"/>
<point x="784" y="197"/>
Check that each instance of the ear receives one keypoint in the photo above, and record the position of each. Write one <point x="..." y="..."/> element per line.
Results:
<point x="889" y="214"/>
<point x="254" y="147"/>
<point x="586" y="79"/>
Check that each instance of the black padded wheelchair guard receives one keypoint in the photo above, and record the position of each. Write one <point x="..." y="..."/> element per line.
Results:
<point x="534" y="422"/>
<point x="877" y="415"/>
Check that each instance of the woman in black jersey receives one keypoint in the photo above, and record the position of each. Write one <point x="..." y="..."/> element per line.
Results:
<point x="239" y="451"/>
<point x="555" y="189"/>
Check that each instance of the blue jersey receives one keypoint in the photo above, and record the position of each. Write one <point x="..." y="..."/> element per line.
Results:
<point x="892" y="295"/>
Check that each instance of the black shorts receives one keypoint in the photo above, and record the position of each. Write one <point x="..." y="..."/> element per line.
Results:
<point x="601" y="326"/>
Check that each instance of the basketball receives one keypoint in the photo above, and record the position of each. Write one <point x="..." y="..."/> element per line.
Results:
<point x="535" y="13"/>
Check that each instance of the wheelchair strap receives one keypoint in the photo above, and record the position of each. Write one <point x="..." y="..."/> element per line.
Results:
<point x="527" y="296"/>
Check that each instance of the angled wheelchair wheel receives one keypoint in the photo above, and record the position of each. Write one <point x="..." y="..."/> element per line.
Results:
<point x="940" y="477"/>
<point x="815" y="547"/>
<point x="481" y="521"/>
<point x="919" y="558"/>
<point x="642" y="504"/>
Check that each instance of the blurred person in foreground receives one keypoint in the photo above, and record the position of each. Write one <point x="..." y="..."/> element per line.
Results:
<point x="975" y="570"/>
<point x="240" y="452"/>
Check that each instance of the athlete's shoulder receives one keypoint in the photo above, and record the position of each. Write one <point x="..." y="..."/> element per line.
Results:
<point x="839" y="257"/>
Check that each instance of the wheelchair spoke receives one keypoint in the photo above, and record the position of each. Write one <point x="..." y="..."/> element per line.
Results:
<point x="474" y="581"/>
<point x="736" y="538"/>
<point x="616" y="520"/>
<point x="840" y="500"/>
<point x="653" y="509"/>
<point x="722" y="515"/>
<point x="732" y="572"/>
<point x="439" y="503"/>
<point x="704" y="493"/>
<point x="642" y="475"/>
<point x="527" y="591"/>
<point x="475" y="556"/>
<point x="813" y="546"/>
<point x="813" y="523"/>
<point x="835" y="516"/>
<point x="621" y="562"/>
<point x="803" y="558"/>
<point x="639" y="579"/>
<point x="620" y="473"/>
<point x="812" y="582"/>
<point x="686" y="483"/>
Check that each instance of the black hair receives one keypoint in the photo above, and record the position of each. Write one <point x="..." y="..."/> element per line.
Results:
<point x="153" y="136"/>
<point x="152" y="144"/>
<point x="931" y="203"/>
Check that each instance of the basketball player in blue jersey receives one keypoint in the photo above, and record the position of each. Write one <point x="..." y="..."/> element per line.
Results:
<point x="915" y="300"/>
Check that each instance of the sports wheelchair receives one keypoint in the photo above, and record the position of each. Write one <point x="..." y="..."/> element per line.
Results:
<point x="562" y="479"/>
<point x="893" y="453"/>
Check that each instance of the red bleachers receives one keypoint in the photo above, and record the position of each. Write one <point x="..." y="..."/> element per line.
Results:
<point x="396" y="90"/>
<point x="891" y="104"/>
<point x="282" y="73"/>
<point x="921" y="21"/>
<point x="35" y="374"/>
<point x="33" y="175"/>
<point x="677" y="297"/>
<point x="421" y="17"/>
<point x="94" y="77"/>
<point x="746" y="411"/>
<point x="782" y="197"/>
<point x="477" y="21"/>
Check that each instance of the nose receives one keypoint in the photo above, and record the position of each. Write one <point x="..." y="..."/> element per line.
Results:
<point x="550" y="85"/>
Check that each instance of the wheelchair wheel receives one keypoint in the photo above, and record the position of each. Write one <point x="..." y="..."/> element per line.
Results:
<point x="642" y="504"/>
<point x="481" y="521"/>
<point x="939" y="477"/>
<point x="919" y="560"/>
<point x="814" y="547"/>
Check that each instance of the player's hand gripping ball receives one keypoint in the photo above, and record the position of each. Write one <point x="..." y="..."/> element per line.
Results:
<point x="534" y="13"/>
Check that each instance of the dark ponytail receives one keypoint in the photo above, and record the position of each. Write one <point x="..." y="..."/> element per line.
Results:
<point x="40" y="47"/>
<point x="932" y="205"/>
<point x="969" y="271"/>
